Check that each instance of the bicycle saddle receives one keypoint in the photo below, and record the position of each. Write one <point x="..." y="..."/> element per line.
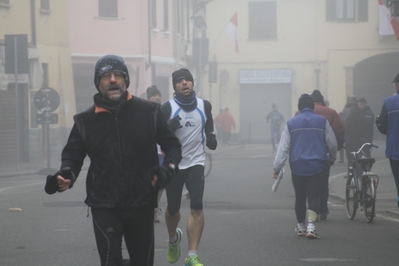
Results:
<point x="366" y="161"/>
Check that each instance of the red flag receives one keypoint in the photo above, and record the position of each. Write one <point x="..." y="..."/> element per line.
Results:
<point x="231" y="30"/>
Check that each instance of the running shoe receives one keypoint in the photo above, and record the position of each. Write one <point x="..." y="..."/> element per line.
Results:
<point x="300" y="229"/>
<point x="193" y="261"/>
<point x="311" y="232"/>
<point x="173" y="252"/>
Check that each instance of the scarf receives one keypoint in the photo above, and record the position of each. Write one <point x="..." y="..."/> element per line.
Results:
<point x="188" y="103"/>
<point x="110" y="105"/>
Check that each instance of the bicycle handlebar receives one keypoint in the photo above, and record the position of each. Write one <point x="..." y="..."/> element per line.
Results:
<point x="365" y="144"/>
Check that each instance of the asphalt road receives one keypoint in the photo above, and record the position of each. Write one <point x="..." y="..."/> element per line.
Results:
<point x="245" y="223"/>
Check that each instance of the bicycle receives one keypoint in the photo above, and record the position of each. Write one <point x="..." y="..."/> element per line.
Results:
<point x="361" y="190"/>
<point x="208" y="164"/>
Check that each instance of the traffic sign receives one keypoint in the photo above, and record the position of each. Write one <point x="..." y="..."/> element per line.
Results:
<point x="46" y="100"/>
<point x="47" y="118"/>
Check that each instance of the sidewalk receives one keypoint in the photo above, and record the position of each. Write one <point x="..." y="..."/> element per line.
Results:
<point x="386" y="191"/>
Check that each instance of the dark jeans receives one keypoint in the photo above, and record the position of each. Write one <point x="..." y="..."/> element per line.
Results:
<point x="306" y="188"/>
<point x="395" y="171"/>
<point x="324" y="190"/>
<point x="135" y="226"/>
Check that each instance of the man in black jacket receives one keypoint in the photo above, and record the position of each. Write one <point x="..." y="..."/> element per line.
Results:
<point x="120" y="134"/>
<point x="353" y="118"/>
<point x="368" y="126"/>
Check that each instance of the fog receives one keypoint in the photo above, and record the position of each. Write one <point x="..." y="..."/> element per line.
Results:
<point x="245" y="56"/>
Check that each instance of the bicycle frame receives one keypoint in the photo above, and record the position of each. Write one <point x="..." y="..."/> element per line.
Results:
<point x="365" y="171"/>
<point x="361" y="188"/>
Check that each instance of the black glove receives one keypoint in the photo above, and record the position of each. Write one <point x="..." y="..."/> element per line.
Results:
<point x="165" y="174"/>
<point x="51" y="181"/>
<point x="174" y="123"/>
<point x="211" y="141"/>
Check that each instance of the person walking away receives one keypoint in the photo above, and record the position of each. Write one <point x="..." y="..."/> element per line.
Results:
<point x="387" y="124"/>
<point x="353" y="118"/>
<point x="218" y="124"/>
<point x="154" y="95"/>
<point x="368" y="125"/>
<point x="276" y="118"/>
<point x="309" y="142"/>
<point x="195" y="129"/>
<point x="227" y="124"/>
<point x="119" y="134"/>
<point x="341" y="151"/>
<point x="339" y="131"/>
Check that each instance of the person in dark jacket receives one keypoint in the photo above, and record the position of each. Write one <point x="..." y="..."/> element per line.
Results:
<point x="368" y="126"/>
<point x="191" y="119"/>
<point x="119" y="133"/>
<point x="276" y="119"/>
<point x="387" y="124"/>
<point x="353" y="118"/>
<point x="311" y="145"/>
<point x="339" y="131"/>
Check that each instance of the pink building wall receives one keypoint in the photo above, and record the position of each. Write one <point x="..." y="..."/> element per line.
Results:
<point x="127" y="35"/>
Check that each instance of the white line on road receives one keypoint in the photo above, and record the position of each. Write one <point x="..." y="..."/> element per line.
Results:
<point x="26" y="185"/>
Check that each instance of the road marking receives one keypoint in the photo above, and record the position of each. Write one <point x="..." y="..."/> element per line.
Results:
<point x="62" y="230"/>
<point x="33" y="184"/>
<point x="230" y="212"/>
<point x="326" y="259"/>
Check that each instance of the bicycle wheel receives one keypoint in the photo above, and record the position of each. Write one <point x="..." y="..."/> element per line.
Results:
<point x="369" y="194"/>
<point x="351" y="197"/>
<point x="208" y="164"/>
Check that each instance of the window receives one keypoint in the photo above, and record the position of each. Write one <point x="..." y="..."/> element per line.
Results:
<point x="262" y="20"/>
<point x="153" y="14"/>
<point x="45" y="4"/>
<point x="108" y="8"/>
<point x="165" y="15"/>
<point x="347" y="10"/>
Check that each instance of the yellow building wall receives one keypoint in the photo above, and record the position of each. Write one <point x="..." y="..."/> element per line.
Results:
<point x="305" y="42"/>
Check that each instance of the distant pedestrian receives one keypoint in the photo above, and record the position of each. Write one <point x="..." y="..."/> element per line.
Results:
<point x="276" y="118"/>
<point x="310" y="144"/>
<point x="353" y="118"/>
<point x="218" y="124"/>
<point x="227" y="124"/>
<point x="154" y="95"/>
<point x="387" y="124"/>
<point x="368" y="124"/>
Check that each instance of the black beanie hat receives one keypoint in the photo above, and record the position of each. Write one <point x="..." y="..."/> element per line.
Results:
<point x="305" y="101"/>
<point x="182" y="73"/>
<point x="317" y="97"/>
<point x="152" y="90"/>
<point x="396" y="80"/>
<point x="109" y="63"/>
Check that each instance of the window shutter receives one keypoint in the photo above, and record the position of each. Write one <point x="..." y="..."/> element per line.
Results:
<point x="362" y="10"/>
<point x="330" y="10"/>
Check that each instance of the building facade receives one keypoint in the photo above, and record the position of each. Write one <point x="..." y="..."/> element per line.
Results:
<point x="43" y="25"/>
<point x="290" y="47"/>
